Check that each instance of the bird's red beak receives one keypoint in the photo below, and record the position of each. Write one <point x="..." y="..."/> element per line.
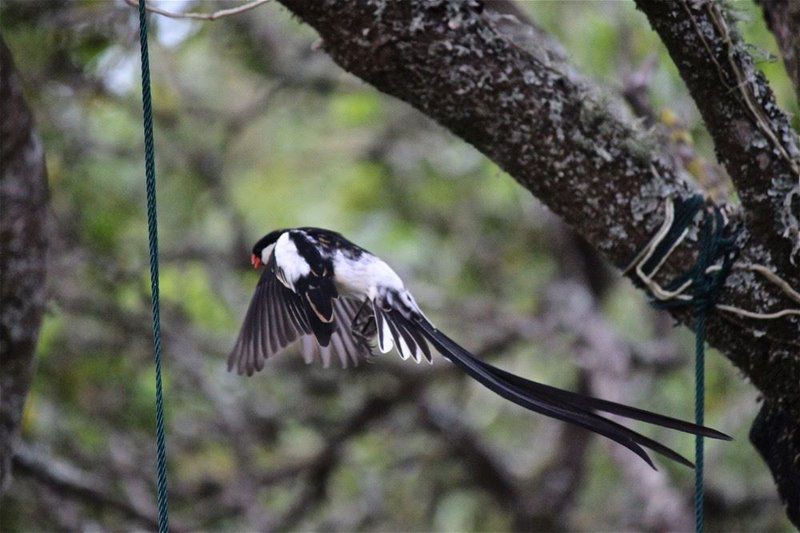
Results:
<point x="255" y="261"/>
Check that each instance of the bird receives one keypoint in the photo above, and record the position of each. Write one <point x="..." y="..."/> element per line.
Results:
<point x="339" y="300"/>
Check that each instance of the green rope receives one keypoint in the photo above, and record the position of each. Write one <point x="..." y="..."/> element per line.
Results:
<point x="702" y="303"/>
<point x="699" y="417"/>
<point x="152" y="228"/>
<point x="714" y="244"/>
<point x="717" y="242"/>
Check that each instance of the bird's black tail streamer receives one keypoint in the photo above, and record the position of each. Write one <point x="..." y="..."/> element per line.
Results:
<point x="562" y="405"/>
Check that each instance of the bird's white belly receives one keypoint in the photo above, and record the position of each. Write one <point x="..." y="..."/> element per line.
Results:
<point x="362" y="277"/>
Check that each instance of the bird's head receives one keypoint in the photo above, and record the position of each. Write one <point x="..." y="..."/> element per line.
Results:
<point x="263" y="248"/>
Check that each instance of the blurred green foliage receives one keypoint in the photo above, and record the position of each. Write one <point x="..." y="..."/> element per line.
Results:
<point x="255" y="131"/>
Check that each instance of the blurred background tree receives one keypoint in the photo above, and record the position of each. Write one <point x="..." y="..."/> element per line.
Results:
<point x="257" y="129"/>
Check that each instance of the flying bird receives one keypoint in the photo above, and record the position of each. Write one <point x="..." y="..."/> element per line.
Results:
<point x="341" y="301"/>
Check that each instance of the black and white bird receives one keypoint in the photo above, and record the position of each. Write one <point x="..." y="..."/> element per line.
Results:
<point x="340" y="301"/>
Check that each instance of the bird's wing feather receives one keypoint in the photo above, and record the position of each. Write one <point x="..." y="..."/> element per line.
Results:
<point x="275" y="318"/>
<point x="343" y="345"/>
<point x="401" y="334"/>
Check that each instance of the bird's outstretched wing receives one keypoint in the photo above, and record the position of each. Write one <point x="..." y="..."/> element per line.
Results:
<point x="275" y="318"/>
<point x="278" y="316"/>
<point x="411" y="332"/>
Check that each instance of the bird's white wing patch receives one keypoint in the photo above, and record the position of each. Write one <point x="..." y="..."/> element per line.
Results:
<point x="362" y="276"/>
<point x="290" y="264"/>
<point x="394" y="329"/>
<point x="384" y="333"/>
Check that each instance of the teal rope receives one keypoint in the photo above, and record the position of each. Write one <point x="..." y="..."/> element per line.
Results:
<point x="714" y="243"/>
<point x="699" y="417"/>
<point x="152" y="229"/>
<point x="717" y="241"/>
<point x="702" y="300"/>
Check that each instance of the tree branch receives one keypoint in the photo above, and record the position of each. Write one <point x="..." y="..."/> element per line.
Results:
<point x="74" y="483"/>
<point x="599" y="173"/>
<point x="23" y="196"/>
<point x="783" y="19"/>
<point x="752" y="136"/>
<point x="761" y="152"/>
<point x="776" y="437"/>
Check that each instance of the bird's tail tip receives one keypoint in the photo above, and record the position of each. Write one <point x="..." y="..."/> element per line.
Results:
<point x="713" y="434"/>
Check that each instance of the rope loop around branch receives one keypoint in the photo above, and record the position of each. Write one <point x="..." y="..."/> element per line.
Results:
<point x="699" y="288"/>
<point x="700" y="285"/>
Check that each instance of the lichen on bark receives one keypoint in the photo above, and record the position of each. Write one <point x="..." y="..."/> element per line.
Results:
<point x="752" y="135"/>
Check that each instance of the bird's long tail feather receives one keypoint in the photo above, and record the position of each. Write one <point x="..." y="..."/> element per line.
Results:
<point x="560" y="404"/>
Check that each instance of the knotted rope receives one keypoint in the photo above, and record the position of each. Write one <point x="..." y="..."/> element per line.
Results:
<point x="699" y="288"/>
<point x="703" y="281"/>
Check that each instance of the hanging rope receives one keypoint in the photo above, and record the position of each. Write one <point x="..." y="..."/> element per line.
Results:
<point x="699" y="416"/>
<point x="699" y="288"/>
<point x="714" y="245"/>
<point x="152" y="228"/>
<point x="704" y="280"/>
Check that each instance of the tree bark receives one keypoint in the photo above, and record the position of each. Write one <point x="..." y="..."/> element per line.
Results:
<point x="783" y="19"/>
<point x="604" y="177"/>
<point x="755" y="142"/>
<point x="752" y="136"/>
<point x="24" y="196"/>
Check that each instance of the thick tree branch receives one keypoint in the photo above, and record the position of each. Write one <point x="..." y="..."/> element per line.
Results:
<point x="755" y="142"/>
<point x="775" y="435"/>
<point x="752" y="136"/>
<point x="602" y="176"/>
<point x="783" y="19"/>
<point x="23" y="195"/>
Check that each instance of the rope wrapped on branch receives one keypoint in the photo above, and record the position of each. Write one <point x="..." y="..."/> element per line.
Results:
<point x="699" y="288"/>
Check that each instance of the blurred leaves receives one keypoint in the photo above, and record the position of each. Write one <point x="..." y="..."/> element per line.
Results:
<point x="256" y="131"/>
